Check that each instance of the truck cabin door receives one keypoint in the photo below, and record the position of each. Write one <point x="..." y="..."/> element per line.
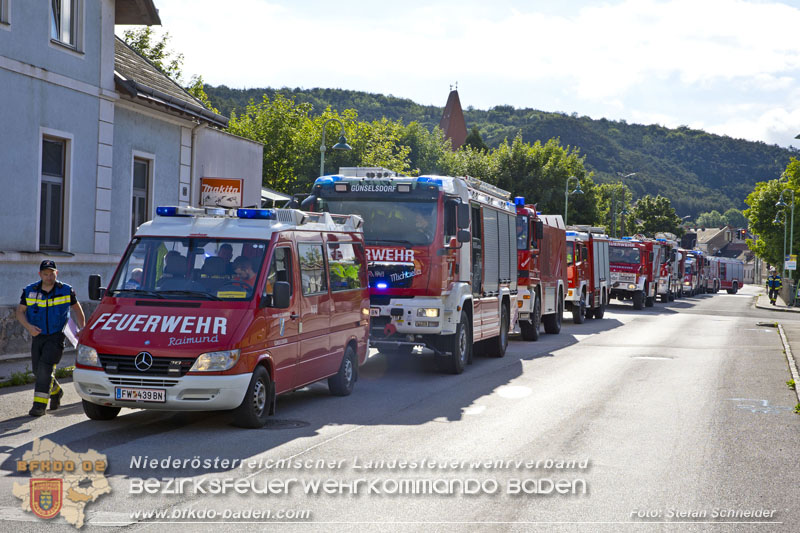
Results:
<point x="281" y="325"/>
<point x="315" y="312"/>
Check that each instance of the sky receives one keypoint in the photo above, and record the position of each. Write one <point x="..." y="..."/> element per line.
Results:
<point x="730" y="67"/>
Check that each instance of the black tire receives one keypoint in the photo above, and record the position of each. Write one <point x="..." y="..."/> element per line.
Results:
<point x="345" y="379"/>
<point x="735" y="287"/>
<point x="579" y="310"/>
<point x="664" y="298"/>
<point x="673" y="296"/>
<point x="459" y="347"/>
<point x="100" y="412"/>
<point x="530" y="328"/>
<point x="600" y="310"/>
<point x="496" y="347"/>
<point x="638" y="300"/>
<point x="552" y="323"/>
<point x="254" y="409"/>
<point x="649" y="301"/>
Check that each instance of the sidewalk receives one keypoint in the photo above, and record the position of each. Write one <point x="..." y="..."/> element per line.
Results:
<point x="762" y="302"/>
<point x="13" y="363"/>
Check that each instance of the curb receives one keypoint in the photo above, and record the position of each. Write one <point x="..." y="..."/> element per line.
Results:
<point x="791" y="360"/>
<point x="774" y="308"/>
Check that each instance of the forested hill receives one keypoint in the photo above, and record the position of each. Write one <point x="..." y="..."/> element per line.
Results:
<point x="697" y="171"/>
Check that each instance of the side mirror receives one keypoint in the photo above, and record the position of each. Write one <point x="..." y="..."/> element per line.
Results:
<point x="281" y="294"/>
<point x="96" y="292"/>
<point x="538" y="230"/>
<point x="463" y="236"/>
<point x="309" y="203"/>
<point x="463" y="217"/>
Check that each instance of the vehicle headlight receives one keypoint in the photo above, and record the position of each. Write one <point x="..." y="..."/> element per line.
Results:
<point x="87" y="356"/>
<point x="429" y="312"/>
<point x="631" y="286"/>
<point x="215" y="361"/>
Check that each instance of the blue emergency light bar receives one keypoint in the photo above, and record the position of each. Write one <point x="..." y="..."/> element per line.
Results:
<point x="263" y="214"/>
<point x="572" y="234"/>
<point x="381" y="285"/>
<point x="519" y="201"/>
<point x="171" y="211"/>
<point x="627" y="238"/>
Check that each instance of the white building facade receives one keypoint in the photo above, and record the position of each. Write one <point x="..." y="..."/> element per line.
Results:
<point x="94" y="138"/>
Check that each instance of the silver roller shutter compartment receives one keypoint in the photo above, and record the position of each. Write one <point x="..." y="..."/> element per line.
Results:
<point x="491" y="252"/>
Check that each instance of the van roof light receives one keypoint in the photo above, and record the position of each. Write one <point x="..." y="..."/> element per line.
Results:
<point x="264" y="214"/>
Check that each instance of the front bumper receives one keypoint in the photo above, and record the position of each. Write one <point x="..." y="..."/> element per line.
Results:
<point x="186" y="393"/>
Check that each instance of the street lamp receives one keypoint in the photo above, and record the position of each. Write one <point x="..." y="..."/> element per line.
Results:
<point x="622" y="218"/>
<point x="577" y="190"/>
<point x="781" y="203"/>
<point x="340" y="145"/>
<point x="614" y="204"/>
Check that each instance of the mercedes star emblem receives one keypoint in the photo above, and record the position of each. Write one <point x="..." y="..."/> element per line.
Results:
<point x="143" y="361"/>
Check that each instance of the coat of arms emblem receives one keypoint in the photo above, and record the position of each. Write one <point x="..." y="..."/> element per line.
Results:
<point x="46" y="497"/>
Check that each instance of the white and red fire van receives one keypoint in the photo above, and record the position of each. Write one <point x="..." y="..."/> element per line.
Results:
<point x="216" y="309"/>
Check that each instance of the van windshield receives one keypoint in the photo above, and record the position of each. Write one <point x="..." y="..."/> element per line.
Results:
<point x="391" y="221"/>
<point x="619" y="254"/>
<point x="189" y="268"/>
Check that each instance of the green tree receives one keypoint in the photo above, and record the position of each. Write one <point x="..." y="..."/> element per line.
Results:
<point x="475" y="140"/>
<point x="144" y="41"/>
<point x="197" y="89"/>
<point x="427" y="149"/>
<point x="612" y="199"/>
<point x="711" y="219"/>
<point x="734" y="217"/>
<point x="762" y="214"/>
<point x="539" y="172"/>
<point x="654" y="215"/>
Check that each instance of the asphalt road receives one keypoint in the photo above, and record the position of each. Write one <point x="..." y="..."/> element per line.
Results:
<point x="675" y="418"/>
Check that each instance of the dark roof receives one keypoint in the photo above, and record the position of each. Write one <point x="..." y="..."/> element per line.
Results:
<point x="452" y="123"/>
<point x="142" y="12"/>
<point x="139" y="78"/>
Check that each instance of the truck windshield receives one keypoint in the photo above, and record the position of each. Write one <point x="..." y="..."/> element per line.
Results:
<point x="620" y="254"/>
<point x="391" y="221"/>
<point x="189" y="268"/>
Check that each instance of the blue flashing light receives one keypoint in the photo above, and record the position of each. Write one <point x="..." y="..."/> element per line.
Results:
<point x="519" y="201"/>
<point x="168" y="211"/>
<point x="328" y="179"/>
<point x="572" y="234"/>
<point x="381" y="285"/>
<point x="264" y="214"/>
<point x="433" y="181"/>
<point x="627" y="238"/>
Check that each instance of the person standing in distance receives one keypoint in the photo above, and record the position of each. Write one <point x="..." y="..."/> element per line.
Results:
<point x="44" y="311"/>
<point x="773" y="285"/>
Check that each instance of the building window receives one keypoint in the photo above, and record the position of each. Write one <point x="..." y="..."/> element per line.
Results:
<point x="51" y="209"/>
<point x="140" y="212"/>
<point x="4" y="11"/>
<point x="64" y="21"/>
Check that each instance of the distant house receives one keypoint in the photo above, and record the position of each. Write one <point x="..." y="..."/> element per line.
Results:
<point x="452" y="123"/>
<point x="94" y="137"/>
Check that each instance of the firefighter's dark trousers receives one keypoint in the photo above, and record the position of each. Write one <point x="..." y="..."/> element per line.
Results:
<point x="773" y="295"/>
<point x="46" y="353"/>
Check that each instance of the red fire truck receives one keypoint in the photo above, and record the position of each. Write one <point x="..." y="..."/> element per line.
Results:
<point x="181" y="327"/>
<point x="542" y="270"/>
<point x="635" y="267"/>
<point x="672" y="265"/>
<point x="588" y="272"/>
<point x="712" y="273"/>
<point x="694" y="273"/>
<point x="731" y="272"/>
<point x="440" y="254"/>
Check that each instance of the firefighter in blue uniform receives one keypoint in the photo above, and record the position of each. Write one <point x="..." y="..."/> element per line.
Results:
<point x="773" y="285"/>
<point x="44" y="311"/>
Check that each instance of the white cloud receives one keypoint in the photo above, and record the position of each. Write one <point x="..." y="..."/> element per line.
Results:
<point x="714" y="53"/>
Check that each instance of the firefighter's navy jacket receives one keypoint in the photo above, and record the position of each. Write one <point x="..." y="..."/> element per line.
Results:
<point x="48" y="311"/>
<point x="774" y="282"/>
